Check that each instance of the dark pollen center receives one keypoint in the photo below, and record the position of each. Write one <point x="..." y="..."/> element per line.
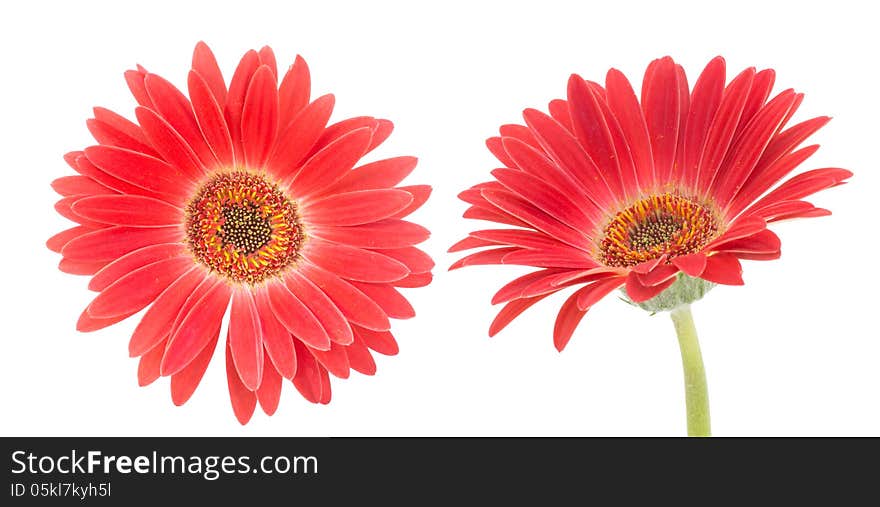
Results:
<point x="655" y="230"/>
<point x="245" y="228"/>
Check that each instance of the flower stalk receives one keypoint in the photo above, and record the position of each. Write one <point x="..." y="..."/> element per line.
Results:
<point x="696" y="389"/>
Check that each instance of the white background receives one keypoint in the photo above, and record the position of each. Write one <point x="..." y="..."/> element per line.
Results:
<point x="794" y="352"/>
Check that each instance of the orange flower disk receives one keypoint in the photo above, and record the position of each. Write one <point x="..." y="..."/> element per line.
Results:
<point x="243" y="199"/>
<point x="609" y="190"/>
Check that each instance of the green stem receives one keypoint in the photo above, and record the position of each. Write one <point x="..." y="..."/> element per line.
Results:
<point x="695" y="388"/>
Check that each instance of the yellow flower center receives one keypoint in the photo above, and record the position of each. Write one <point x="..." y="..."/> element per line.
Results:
<point x="664" y="224"/>
<point x="243" y="227"/>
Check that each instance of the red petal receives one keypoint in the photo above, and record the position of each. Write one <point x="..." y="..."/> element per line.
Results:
<point x="389" y="233"/>
<point x="522" y="133"/>
<point x="325" y="386"/>
<point x="388" y="298"/>
<point x="762" y="179"/>
<point x="648" y="266"/>
<point x="381" y="132"/>
<point x="137" y="289"/>
<point x="420" y="195"/>
<point x="560" y="112"/>
<point x="148" y="366"/>
<point x="567" y="320"/>
<point x="375" y="175"/>
<point x="741" y="228"/>
<point x="64" y="207"/>
<point x="267" y="58"/>
<point x="113" y="242"/>
<point x="723" y="127"/>
<point x="269" y="393"/>
<point x="238" y="87"/>
<point x="786" y="210"/>
<point x="340" y="128"/>
<point x="297" y="138"/>
<point x="589" y="125"/>
<point x="591" y="294"/>
<point x="658" y="275"/>
<point x="537" y="218"/>
<point x="156" y="323"/>
<point x="514" y="289"/>
<point x="557" y="257"/>
<point x="662" y="107"/>
<point x="354" y="263"/>
<point x="185" y="382"/>
<point x="723" y="268"/>
<point x="110" y="135"/>
<point x="625" y="106"/>
<point x="135" y="81"/>
<point x="516" y="237"/>
<point x="322" y="307"/>
<point x="209" y="115"/>
<point x="87" y="323"/>
<point x="204" y="63"/>
<point x="243" y="400"/>
<point x="705" y="100"/>
<point x="691" y="265"/>
<point x="330" y="164"/>
<point x="308" y="377"/>
<point x="129" y="210"/>
<point x="764" y="243"/>
<point x="334" y="360"/>
<point x="354" y="304"/>
<point x="79" y="185"/>
<point x="382" y="342"/>
<point x="533" y="162"/>
<point x="86" y="168"/>
<point x="748" y="149"/>
<point x="496" y="147"/>
<point x="545" y="198"/>
<point x="639" y="292"/>
<point x="170" y="145"/>
<point x="494" y="256"/>
<point x="293" y="93"/>
<point x="356" y="208"/>
<point x="246" y="338"/>
<point x="414" y="259"/>
<point x="196" y="329"/>
<point x="359" y="357"/>
<point x="276" y="338"/>
<point x="565" y="150"/>
<point x="294" y="315"/>
<point x="415" y="280"/>
<point x="259" y="118"/>
<point x="493" y="215"/>
<point x="143" y="171"/>
<point x="758" y="95"/>
<point x="175" y="108"/>
<point x="802" y="185"/>
<point x="469" y="243"/>
<point x="786" y="141"/>
<point x="56" y="243"/>
<point x="122" y="130"/>
<point x="510" y="311"/>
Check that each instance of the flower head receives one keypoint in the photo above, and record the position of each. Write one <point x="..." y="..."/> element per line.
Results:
<point x="243" y="199"/>
<point x="609" y="190"/>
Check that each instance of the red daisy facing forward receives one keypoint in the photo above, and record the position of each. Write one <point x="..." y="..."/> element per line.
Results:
<point x="662" y="196"/>
<point x="243" y="197"/>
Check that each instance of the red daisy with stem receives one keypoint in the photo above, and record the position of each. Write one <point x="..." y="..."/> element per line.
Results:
<point x="243" y="199"/>
<point x="661" y="195"/>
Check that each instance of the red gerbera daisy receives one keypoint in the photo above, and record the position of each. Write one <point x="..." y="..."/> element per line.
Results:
<point x="243" y="198"/>
<point x="663" y="197"/>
